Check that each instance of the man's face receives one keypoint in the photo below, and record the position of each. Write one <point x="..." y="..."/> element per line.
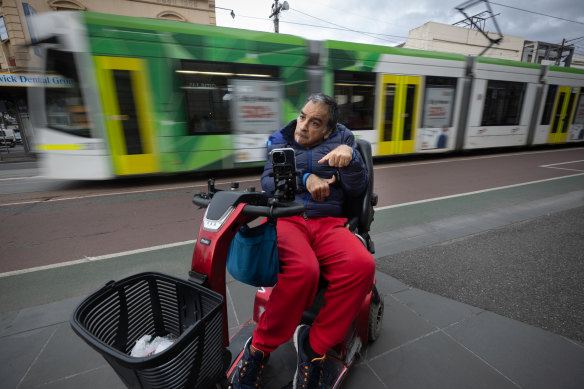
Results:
<point x="311" y="125"/>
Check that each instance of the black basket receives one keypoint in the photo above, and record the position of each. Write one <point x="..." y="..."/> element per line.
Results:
<point x="112" y="319"/>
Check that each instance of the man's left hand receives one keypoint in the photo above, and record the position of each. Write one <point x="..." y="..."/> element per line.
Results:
<point x="341" y="156"/>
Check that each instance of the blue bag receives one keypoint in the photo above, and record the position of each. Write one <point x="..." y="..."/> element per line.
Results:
<point x="253" y="255"/>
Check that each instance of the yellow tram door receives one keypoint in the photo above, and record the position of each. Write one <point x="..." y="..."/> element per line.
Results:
<point x="125" y="96"/>
<point x="563" y="113"/>
<point x="397" y="114"/>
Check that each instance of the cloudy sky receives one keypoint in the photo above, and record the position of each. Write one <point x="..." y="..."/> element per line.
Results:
<point x="388" y="22"/>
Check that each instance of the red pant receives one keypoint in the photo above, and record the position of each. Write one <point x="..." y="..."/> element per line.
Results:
<point x="307" y="249"/>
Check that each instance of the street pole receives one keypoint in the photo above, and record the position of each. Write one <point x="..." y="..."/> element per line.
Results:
<point x="276" y="18"/>
<point x="276" y="8"/>
<point x="559" y="59"/>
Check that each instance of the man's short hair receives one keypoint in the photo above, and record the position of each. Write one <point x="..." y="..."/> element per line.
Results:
<point x="333" y="109"/>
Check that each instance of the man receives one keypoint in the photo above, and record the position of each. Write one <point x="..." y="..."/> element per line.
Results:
<point x="313" y="244"/>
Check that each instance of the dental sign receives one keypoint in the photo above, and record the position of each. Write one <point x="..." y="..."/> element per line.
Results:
<point x="35" y="80"/>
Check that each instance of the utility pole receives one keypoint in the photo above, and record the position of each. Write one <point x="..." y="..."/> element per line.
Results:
<point x="559" y="57"/>
<point x="276" y="8"/>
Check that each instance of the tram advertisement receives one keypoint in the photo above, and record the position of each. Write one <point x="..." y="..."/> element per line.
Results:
<point x="437" y="118"/>
<point x="256" y="112"/>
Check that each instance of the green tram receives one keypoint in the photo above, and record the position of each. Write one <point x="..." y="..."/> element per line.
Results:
<point x="133" y="96"/>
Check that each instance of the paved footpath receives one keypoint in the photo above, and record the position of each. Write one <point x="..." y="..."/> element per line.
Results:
<point x="497" y="255"/>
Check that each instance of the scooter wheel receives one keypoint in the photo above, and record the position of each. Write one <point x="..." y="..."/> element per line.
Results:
<point x="375" y="319"/>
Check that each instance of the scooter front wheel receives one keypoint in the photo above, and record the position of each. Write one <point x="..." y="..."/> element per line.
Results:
<point x="376" y="309"/>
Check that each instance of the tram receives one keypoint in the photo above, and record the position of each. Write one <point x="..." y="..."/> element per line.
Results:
<point x="135" y="96"/>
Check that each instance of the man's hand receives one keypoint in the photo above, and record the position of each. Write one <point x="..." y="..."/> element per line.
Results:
<point x="341" y="156"/>
<point x="319" y="187"/>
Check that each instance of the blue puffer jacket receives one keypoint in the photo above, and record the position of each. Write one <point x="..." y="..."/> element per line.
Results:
<point x="353" y="178"/>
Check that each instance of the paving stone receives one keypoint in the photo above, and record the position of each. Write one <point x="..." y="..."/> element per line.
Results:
<point x="19" y="352"/>
<point x="400" y="326"/>
<point x="532" y="357"/>
<point x="436" y="361"/>
<point x="64" y="355"/>
<point x="439" y="310"/>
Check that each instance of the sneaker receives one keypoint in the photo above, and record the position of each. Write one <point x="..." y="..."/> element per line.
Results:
<point x="309" y="372"/>
<point x="248" y="373"/>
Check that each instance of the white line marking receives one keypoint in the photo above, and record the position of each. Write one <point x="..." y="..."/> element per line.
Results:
<point x="190" y="242"/>
<point x="475" y="192"/>
<point x="456" y="159"/>
<point x="94" y="259"/>
<point x="118" y="193"/>
<point x="553" y="166"/>
<point x="562" y="163"/>
<point x="564" y="168"/>
<point x="21" y="178"/>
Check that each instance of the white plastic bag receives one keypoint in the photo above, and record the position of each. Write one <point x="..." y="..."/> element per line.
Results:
<point x="149" y="345"/>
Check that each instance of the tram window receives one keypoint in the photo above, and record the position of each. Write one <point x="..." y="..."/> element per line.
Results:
<point x="549" y="104"/>
<point x="503" y="103"/>
<point x="388" y="116"/>
<point x="558" y="114"/>
<point x="409" y="112"/>
<point x="579" y="115"/>
<point x="65" y="108"/>
<point x="355" y="95"/>
<point x="439" y="102"/>
<point x="571" y="103"/>
<point x="208" y="92"/>
<point x="127" y="107"/>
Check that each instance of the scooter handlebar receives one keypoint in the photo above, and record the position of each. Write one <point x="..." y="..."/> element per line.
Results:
<point x="201" y="201"/>
<point x="281" y="210"/>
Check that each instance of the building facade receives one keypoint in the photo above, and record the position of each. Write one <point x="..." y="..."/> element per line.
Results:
<point x="460" y="40"/>
<point x="15" y="31"/>
<point x="453" y="39"/>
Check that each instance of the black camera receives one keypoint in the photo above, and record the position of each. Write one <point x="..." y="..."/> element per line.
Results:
<point x="284" y="172"/>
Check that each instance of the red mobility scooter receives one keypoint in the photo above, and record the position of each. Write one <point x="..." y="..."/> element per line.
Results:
<point x="226" y="212"/>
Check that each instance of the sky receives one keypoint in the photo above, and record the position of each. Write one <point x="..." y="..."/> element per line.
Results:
<point x="388" y="22"/>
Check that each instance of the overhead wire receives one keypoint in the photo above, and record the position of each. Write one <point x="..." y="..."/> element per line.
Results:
<point x="572" y="41"/>
<point x="339" y="26"/>
<point x="536" y="13"/>
<point x="379" y="36"/>
<point x="371" y="34"/>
